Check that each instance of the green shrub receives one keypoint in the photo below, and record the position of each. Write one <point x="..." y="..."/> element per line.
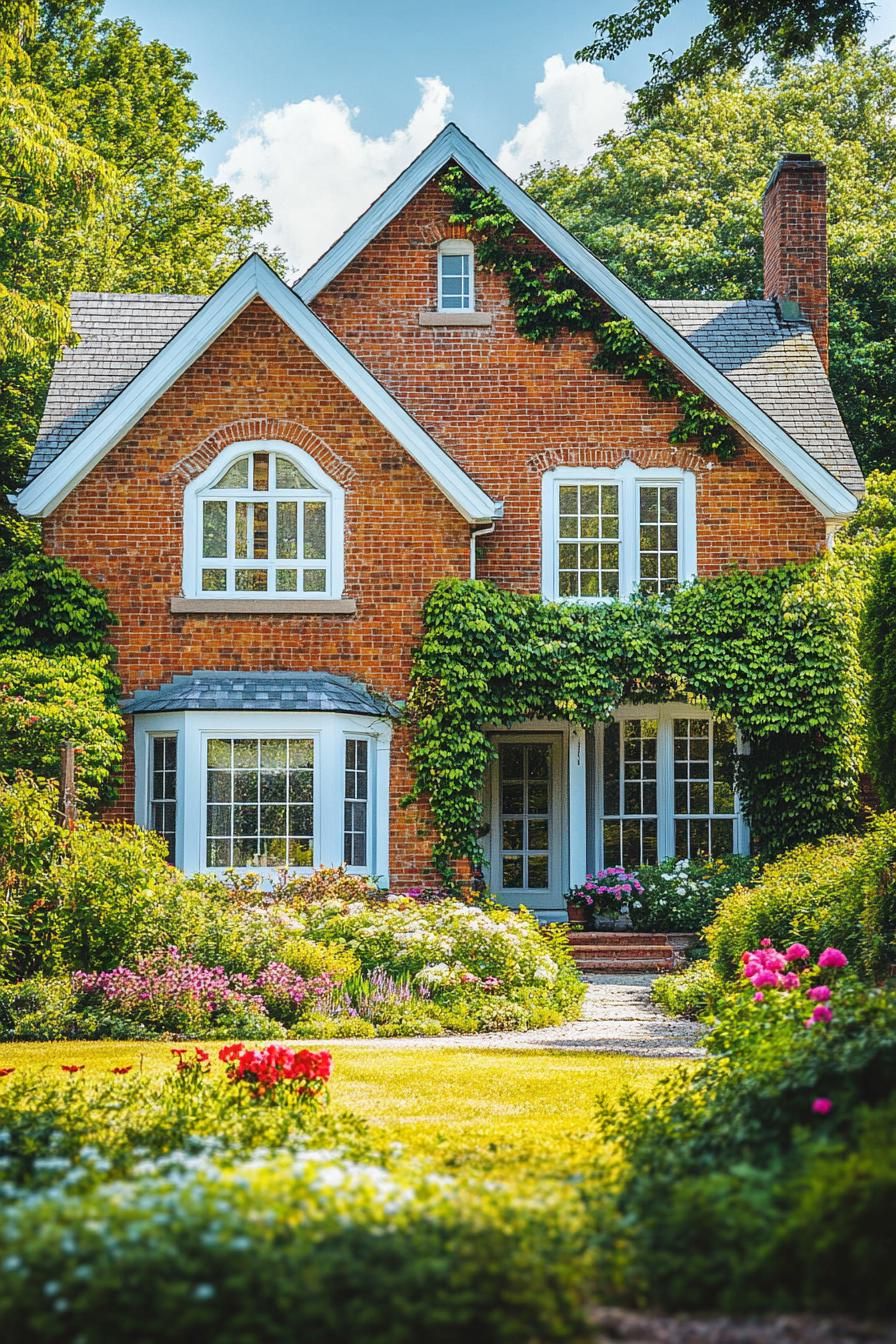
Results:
<point x="834" y="892"/>
<point x="695" y="992"/>
<point x="46" y="1008"/>
<point x="45" y="701"/>
<point x="879" y="648"/>
<point x="49" y="608"/>
<point x="682" y="895"/>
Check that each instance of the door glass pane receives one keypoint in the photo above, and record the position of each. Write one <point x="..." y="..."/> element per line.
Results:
<point x="630" y="792"/>
<point x="525" y="794"/>
<point x="703" y="757"/>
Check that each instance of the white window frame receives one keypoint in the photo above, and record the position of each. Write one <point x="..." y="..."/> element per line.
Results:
<point x="457" y="247"/>
<point x="628" y="478"/>
<point x="201" y="488"/>
<point x="665" y="714"/>
<point x="193" y="729"/>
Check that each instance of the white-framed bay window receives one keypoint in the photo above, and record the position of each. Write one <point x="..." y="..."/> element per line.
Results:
<point x="608" y="532"/>
<point x="257" y="791"/>
<point x="456" y="279"/>
<point x="665" y="786"/>
<point x="263" y="521"/>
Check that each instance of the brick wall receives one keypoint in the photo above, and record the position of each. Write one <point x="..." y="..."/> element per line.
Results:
<point x="794" y="238"/>
<point x="504" y="408"/>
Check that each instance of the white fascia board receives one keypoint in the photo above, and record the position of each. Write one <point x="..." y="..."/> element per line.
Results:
<point x="254" y="279"/>
<point x="795" y="464"/>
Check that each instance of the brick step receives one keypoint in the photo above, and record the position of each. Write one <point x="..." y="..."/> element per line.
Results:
<point x="637" y="966"/>
<point x="621" y="950"/>
<point x="618" y="940"/>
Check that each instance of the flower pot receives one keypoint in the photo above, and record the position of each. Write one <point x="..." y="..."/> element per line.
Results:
<point x="578" y="914"/>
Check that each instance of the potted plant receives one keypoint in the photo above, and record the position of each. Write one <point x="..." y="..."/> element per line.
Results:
<point x="604" y="896"/>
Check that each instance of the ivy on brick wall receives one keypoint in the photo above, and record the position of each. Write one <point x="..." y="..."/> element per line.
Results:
<point x="776" y="653"/>
<point x="547" y="298"/>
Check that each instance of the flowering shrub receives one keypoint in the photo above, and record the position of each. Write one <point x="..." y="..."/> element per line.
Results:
<point x="609" y="891"/>
<point x="276" y="1073"/>
<point x="169" y="992"/>
<point x="682" y="895"/>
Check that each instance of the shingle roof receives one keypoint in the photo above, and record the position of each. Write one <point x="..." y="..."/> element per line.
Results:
<point x="260" y="691"/>
<point x="777" y="365"/>
<point x="774" y="362"/>
<point x="120" y="334"/>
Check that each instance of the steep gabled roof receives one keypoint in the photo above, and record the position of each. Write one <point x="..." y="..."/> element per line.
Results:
<point x="254" y="279"/>
<point x="811" y="476"/>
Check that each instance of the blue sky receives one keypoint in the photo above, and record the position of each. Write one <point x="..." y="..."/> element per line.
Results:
<point x="325" y="103"/>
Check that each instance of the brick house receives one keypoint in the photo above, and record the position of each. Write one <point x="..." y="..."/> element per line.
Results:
<point x="268" y="483"/>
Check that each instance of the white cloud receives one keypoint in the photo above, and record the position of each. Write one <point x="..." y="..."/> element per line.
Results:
<point x="576" y="104"/>
<point x="318" y="171"/>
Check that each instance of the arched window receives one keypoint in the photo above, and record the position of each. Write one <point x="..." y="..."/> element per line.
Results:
<point x="263" y="521"/>
<point x="457" y="292"/>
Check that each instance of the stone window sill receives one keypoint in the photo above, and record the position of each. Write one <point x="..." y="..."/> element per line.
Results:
<point x="260" y="606"/>
<point x="447" y="319"/>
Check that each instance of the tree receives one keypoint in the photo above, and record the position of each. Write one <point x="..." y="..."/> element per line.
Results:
<point x="674" y="206"/>
<point x="778" y="30"/>
<point x="100" y="188"/>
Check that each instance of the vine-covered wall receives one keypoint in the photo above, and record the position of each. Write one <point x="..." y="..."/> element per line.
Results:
<point x="776" y="653"/>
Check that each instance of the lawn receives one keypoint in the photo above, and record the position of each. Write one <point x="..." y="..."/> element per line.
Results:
<point x="505" y="1109"/>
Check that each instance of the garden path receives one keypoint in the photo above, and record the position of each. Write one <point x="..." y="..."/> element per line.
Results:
<point x="617" y="1016"/>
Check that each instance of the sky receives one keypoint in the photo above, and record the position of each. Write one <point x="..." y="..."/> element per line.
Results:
<point x="326" y="103"/>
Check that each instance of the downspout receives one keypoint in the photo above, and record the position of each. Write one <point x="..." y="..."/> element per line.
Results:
<point x="474" y="537"/>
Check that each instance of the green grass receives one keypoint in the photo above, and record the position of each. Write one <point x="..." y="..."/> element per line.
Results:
<point x="528" y="1110"/>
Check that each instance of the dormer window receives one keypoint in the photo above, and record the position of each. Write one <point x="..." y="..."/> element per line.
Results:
<point x="456" y="285"/>
<point x="263" y="521"/>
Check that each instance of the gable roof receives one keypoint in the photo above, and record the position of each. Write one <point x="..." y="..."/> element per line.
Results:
<point x="775" y="363"/>
<point x="812" y="477"/>
<point x="254" y="279"/>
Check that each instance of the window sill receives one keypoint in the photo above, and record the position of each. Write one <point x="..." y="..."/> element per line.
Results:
<point x="459" y="319"/>
<point x="261" y="606"/>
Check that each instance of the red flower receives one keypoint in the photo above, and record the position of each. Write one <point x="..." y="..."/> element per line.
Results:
<point x="71" y="1068"/>
<point x="178" y="1051"/>
<point x="123" y="1068"/>
<point x="4" y="1073"/>
<point x="201" y="1055"/>
<point x="227" y="1053"/>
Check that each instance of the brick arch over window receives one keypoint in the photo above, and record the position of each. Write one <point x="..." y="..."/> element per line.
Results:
<point x="258" y="428"/>
<point x="575" y="456"/>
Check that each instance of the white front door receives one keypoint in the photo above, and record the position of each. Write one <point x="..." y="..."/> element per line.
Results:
<point x="526" y="821"/>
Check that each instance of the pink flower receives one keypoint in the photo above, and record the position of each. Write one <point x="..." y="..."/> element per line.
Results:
<point x="759" y="997"/>
<point x="797" y="952"/>
<point x="790" y="981"/>
<point x="819" y="993"/>
<point x="766" y="942"/>
<point x="833" y="957"/>
<point x="821" y="1105"/>
<point x="821" y="1013"/>
<point x="765" y="980"/>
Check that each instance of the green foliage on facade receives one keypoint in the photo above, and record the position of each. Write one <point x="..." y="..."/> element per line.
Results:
<point x="777" y="653"/>
<point x="547" y="298"/>
<point x="879" y="640"/>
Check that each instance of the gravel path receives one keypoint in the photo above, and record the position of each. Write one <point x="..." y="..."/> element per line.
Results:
<point x="637" y="1328"/>
<point x="617" y="1016"/>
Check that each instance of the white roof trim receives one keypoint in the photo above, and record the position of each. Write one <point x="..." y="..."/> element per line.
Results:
<point x="799" y="467"/>
<point x="254" y="279"/>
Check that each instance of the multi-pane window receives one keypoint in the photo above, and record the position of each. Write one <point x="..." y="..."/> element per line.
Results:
<point x="704" y="753"/>
<point x="260" y="802"/>
<point x="630" y="792"/>
<point x="357" y="801"/>
<point x="456" y="276"/>
<point x="667" y="787"/>
<point x="163" y="790"/>
<point x="264" y="530"/>
<point x="524" y="784"/>
<point x="608" y="533"/>
<point x="588" y="540"/>
<point x="658" y="537"/>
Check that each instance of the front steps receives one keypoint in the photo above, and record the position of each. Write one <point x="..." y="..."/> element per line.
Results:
<point x="623" y="953"/>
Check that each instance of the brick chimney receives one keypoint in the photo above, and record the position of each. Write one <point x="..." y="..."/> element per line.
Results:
<point x="795" y="242"/>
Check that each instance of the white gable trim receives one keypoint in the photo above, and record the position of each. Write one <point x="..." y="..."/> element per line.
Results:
<point x="254" y="279"/>
<point x="795" y="464"/>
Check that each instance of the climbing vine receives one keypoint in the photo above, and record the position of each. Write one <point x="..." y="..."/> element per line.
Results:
<point x="776" y="653"/>
<point x="547" y="298"/>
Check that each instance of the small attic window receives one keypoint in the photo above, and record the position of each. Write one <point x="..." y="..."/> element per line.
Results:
<point x="456" y="286"/>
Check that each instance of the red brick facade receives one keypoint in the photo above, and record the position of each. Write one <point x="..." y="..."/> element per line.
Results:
<point x="504" y="408"/>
